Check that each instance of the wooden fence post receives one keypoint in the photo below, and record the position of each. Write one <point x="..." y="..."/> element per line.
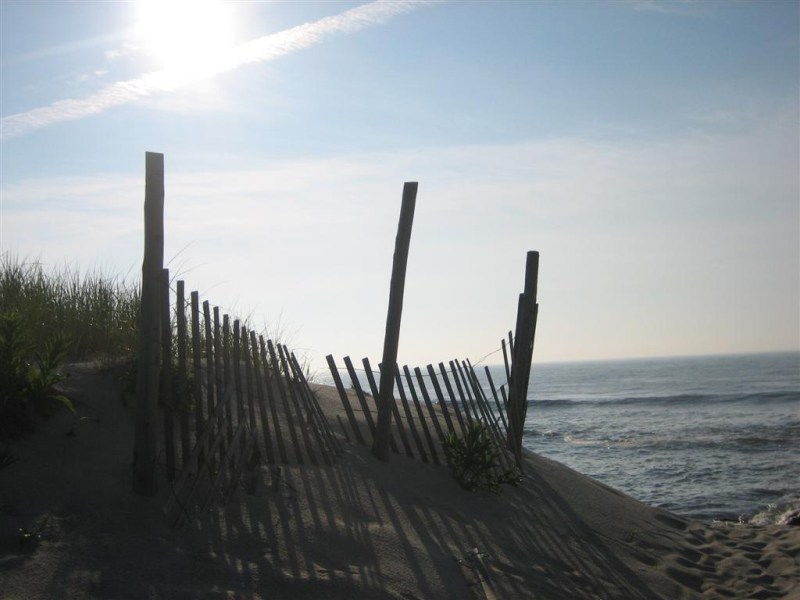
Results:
<point x="145" y="440"/>
<point x="522" y="354"/>
<point x="391" y="340"/>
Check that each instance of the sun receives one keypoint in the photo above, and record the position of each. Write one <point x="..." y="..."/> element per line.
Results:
<point x="184" y="35"/>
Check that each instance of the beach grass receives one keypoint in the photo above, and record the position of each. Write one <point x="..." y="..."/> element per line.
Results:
<point x="95" y="312"/>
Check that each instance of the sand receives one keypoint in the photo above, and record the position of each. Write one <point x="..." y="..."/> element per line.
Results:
<point x="359" y="529"/>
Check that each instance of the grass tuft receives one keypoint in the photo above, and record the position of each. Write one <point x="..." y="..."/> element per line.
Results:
<point x="97" y="313"/>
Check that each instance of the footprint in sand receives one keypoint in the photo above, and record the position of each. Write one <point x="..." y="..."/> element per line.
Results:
<point x="685" y="578"/>
<point x="695" y="565"/>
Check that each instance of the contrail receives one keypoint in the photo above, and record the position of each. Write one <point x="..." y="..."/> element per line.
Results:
<point x="260" y="50"/>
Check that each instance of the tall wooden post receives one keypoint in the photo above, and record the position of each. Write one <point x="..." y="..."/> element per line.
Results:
<point x="522" y="355"/>
<point x="391" y="339"/>
<point x="149" y="349"/>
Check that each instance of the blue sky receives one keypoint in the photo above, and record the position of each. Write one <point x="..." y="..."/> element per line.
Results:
<point x="647" y="149"/>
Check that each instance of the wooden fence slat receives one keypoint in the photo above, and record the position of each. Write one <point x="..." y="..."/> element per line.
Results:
<point x="219" y="369"/>
<point x="238" y="401"/>
<point x="480" y="395"/>
<point x="262" y="400"/>
<point x="322" y="421"/>
<point x="401" y="428"/>
<point x="453" y="401"/>
<point x="461" y="395"/>
<point x="479" y="416"/>
<point x="209" y="344"/>
<point x="362" y="399"/>
<point x="440" y="398"/>
<point x="409" y="418"/>
<point x="301" y="422"/>
<point x="491" y="421"/>
<point x="182" y="400"/>
<point x="192" y="471"/>
<point x="197" y="368"/>
<point x="270" y="390"/>
<point x="431" y="411"/>
<point x="279" y="383"/>
<point x="326" y="447"/>
<point x="337" y="380"/>
<point x="237" y="371"/>
<point x="421" y="415"/>
<point x="374" y="389"/>
<point x="505" y="356"/>
<point x="248" y="378"/>
<point x="201" y="471"/>
<point x="500" y="410"/>
<point x="227" y="371"/>
<point x="167" y="397"/>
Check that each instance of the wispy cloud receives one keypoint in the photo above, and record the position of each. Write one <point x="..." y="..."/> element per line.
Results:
<point x="667" y="7"/>
<point x="263" y="49"/>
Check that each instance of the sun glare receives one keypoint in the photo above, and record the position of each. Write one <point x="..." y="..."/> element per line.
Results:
<point x="184" y="34"/>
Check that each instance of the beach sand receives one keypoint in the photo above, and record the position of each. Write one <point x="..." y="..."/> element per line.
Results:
<point x="358" y="529"/>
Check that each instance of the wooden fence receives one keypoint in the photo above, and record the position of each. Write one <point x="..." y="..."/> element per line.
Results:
<point x="428" y="406"/>
<point x="214" y="399"/>
<point x="229" y="400"/>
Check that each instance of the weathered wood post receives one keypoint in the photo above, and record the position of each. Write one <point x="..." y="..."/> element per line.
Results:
<point x="391" y="339"/>
<point x="522" y="355"/>
<point x="149" y="349"/>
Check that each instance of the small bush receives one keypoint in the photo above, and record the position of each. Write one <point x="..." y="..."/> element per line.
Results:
<point x="474" y="460"/>
<point x="26" y="388"/>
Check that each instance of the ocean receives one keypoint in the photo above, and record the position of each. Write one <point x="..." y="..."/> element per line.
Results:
<point x="711" y="438"/>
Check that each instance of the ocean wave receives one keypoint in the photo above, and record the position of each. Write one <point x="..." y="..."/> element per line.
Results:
<point x="787" y="396"/>
<point x="783" y="512"/>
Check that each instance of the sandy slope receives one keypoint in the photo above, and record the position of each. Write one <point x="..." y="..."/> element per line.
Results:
<point x="361" y="529"/>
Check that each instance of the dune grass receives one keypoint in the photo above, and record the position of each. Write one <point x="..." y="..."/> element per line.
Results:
<point x="50" y="316"/>
<point x="97" y="314"/>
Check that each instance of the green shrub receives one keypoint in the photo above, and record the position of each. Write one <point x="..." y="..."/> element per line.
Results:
<point x="474" y="460"/>
<point x="26" y="388"/>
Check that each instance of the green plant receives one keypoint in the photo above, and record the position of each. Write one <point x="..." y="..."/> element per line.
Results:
<point x="43" y="379"/>
<point x="474" y="460"/>
<point x="25" y="387"/>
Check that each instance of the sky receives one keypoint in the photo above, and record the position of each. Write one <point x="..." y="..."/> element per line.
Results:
<point x="647" y="149"/>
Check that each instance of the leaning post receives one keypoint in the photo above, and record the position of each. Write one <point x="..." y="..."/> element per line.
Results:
<point x="522" y="355"/>
<point x="391" y="340"/>
<point x="149" y="348"/>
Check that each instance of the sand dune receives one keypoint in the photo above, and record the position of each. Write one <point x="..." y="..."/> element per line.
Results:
<point x="359" y="529"/>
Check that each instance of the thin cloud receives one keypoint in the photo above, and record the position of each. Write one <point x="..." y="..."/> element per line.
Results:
<point x="667" y="7"/>
<point x="263" y="49"/>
